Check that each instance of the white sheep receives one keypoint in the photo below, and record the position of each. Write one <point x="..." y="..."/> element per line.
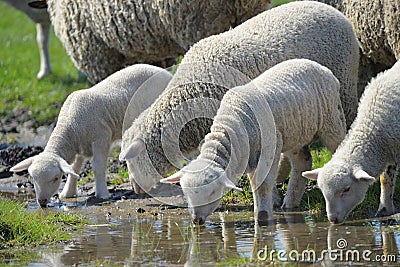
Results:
<point x="376" y="24"/>
<point x="89" y="121"/>
<point x="42" y="20"/>
<point x="372" y="144"/>
<point x="304" y="102"/>
<point x="215" y="64"/>
<point x="102" y="37"/>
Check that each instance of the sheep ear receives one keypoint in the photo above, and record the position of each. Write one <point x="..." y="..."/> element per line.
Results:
<point x="66" y="168"/>
<point x="229" y="184"/>
<point x="23" y="165"/>
<point x="312" y="175"/>
<point x="175" y="178"/>
<point x="363" y="176"/>
<point x="133" y="150"/>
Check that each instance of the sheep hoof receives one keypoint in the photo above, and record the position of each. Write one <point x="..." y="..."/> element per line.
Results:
<point x="383" y="212"/>
<point x="286" y="207"/>
<point x="263" y="218"/>
<point x="43" y="74"/>
<point x="103" y="196"/>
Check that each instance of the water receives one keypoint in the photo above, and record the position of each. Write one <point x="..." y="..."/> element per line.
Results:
<point x="164" y="237"/>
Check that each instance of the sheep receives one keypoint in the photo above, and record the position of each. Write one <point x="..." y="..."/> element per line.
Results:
<point x="280" y="111"/>
<point x="89" y="121"/>
<point x="102" y="37"/>
<point x="42" y="20"/>
<point x="372" y="144"/>
<point x="215" y="64"/>
<point x="376" y="24"/>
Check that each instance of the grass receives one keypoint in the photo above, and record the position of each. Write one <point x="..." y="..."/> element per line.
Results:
<point x="20" y="227"/>
<point x="276" y="3"/>
<point x="19" y="64"/>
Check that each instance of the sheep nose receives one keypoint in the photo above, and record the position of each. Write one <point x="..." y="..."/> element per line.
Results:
<point x="42" y="202"/>
<point x="199" y="220"/>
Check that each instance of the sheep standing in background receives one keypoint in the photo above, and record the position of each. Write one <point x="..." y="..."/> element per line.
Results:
<point x="102" y="37"/>
<point x="42" y="20"/>
<point x="372" y="144"/>
<point x="214" y="65"/>
<point x="304" y="100"/>
<point x="376" y="24"/>
<point x="89" y="121"/>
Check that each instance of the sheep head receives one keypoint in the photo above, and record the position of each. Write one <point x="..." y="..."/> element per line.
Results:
<point x="46" y="170"/>
<point x="203" y="186"/>
<point x="343" y="187"/>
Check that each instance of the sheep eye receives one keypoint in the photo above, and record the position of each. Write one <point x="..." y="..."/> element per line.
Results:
<point x="347" y="189"/>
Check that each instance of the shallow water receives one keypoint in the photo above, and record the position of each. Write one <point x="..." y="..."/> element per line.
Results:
<point x="163" y="236"/>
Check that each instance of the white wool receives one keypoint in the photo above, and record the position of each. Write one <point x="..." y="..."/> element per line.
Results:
<point x="372" y="144"/>
<point x="304" y="100"/>
<point x="215" y="64"/>
<point x="89" y="121"/>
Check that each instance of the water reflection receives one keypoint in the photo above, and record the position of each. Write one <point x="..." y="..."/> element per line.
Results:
<point x="169" y="239"/>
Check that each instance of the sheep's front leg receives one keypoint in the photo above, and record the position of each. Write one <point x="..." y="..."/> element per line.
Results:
<point x="263" y="182"/>
<point x="42" y="38"/>
<point x="100" y="154"/>
<point x="71" y="187"/>
<point x="301" y="161"/>
<point x="388" y="181"/>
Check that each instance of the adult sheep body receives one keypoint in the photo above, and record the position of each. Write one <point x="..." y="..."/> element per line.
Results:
<point x="280" y="111"/>
<point x="214" y="65"/>
<point x="89" y="121"/>
<point x="372" y="144"/>
<point x="101" y="37"/>
<point x="376" y="24"/>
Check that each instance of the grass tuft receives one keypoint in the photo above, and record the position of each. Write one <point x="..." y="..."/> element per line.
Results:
<point x="20" y="227"/>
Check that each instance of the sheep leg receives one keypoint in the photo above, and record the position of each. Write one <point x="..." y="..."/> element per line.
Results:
<point x="42" y="38"/>
<point x="100" y="154"/>
<point x="388" y="181"/>
<point x="301" y="160"/>
<point x="283" y="173"/>
<point x="262" y="184"/>
<point x="283" y="169"/>
<point x="71" y="187"/>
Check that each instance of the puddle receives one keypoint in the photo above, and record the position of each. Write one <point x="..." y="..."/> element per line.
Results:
<point x="162" y="236"/>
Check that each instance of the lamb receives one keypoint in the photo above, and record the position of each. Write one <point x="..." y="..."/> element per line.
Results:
<point x="102" y="37"/>
<point x="215" y="64"/>
<point x="42" y="20"/>
<point x="281" y="111"/>
<point x="89" y="121"/>
<point x="376" y="24"/>
<point x="372" y="144"/>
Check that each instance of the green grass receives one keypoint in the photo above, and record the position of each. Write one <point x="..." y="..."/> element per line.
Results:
<point x="276" y="3"/>
<point x="19" y="64"/>
<point x="20" y="227"/>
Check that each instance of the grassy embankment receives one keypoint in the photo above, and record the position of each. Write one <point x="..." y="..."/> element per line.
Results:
<point x="21" y="229"/>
